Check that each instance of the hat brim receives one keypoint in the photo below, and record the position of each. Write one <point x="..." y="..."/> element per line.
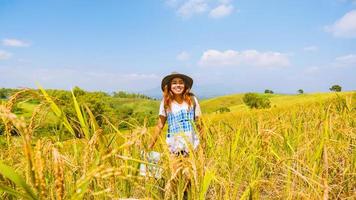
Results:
<point x="187" y="80"/>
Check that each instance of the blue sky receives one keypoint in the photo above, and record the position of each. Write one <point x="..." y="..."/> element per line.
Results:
<point x="227" y="46"/>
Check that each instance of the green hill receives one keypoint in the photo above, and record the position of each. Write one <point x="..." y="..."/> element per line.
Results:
<point x="235" y="103"/>
<point x="213" y="104"/>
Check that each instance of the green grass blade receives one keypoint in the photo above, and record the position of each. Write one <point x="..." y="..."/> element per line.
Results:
<point x="80" y="116"/>
<point x="11" y="174"/>
<point x="208" y="177"/>
<point x="13" y="192"/>
<point x="57" y="111"/>
<point x="53" y="105"/>
<point x="93" y="121"/>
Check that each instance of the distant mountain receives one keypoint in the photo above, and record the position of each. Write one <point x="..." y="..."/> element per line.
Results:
<point x="202" y="92"/>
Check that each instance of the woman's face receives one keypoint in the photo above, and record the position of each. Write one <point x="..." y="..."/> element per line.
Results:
<point x="177" y="86"/>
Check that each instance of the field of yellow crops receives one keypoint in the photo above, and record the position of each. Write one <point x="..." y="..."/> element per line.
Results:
<point x="301" y="148"/>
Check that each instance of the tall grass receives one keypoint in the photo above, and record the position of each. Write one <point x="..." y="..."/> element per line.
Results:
<point x="303" y="151"/>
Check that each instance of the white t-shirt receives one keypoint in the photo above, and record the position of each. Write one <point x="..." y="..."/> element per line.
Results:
<point x="176" y="107"/>
<point x="180" y="125"/>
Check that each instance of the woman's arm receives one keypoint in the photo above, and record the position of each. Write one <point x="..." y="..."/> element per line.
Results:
<point x="158" y="129"/>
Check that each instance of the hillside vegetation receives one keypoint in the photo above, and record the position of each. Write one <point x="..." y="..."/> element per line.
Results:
<point x="235" y="103"/>
<point x="123" y="109"/>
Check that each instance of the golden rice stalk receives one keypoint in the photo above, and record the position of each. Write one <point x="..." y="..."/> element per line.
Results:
<point x="21" y="126"/>
<point x="28" y="150"/>
<point x="9" y="106"/>
<point x="32" y="125"/>
<point x="58" y="174"/>
<point x="5" y="115"/>
<point x="90" y="150"/>
<point x="13" y="99"/>
<point x="39" y="170"/>
<point x="325" y="174"/>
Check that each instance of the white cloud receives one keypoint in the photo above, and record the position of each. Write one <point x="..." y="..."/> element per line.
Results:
<point x="344" y="27"/>
<point x="217" y="58"/>
<point x="345" y="61"/>
<point x="221" y="11"/>
<point x="311" y="48"/>
<point x="192" y="7"/>
<point x="4" y="55"/>
<point x="189" y="8"/>
<point x="183" y="56"/>
<point x="14" y="43"/>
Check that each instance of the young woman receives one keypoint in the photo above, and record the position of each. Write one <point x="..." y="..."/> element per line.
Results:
<point x="181" y="109"/>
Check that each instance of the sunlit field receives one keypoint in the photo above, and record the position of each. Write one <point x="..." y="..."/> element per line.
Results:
<point x="303" y="147"/>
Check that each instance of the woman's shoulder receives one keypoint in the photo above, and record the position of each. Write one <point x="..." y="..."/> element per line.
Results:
<point x="193" y="98"/>
<point x="192" y="95"/>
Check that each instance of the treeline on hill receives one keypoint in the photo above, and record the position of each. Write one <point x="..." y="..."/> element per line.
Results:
<point x="123" y="109"/>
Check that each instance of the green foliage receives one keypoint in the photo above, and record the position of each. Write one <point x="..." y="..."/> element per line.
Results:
<point x="125" y="114"/>
<point x="123" y="109"/>
<point x="223" y="110"/>
<point x="254" y="100"/>
<point x="300" y="91"/>
<point x="3" y="95"/>
<point x="335" y="88"/>
<point x="267" y="91"/>
<point x="17" y="110"/>
<point x="7" y="92"/>
<point x="123" y="94"/>
<point x="58" y="112"/>
<point x="77" y="91"/>
<point x="33" y="101"/>
<point x="2" y="128"/>
<point x="19" y="181"/>
<point x="98" y="103"/>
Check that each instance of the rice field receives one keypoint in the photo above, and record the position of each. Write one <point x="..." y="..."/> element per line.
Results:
<point x="300" y="150"/>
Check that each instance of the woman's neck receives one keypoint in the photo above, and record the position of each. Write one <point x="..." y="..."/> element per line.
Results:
<point x="178" y="98"/>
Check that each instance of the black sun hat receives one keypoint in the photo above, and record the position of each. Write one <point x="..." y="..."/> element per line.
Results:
<point x="187" y="80"/>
